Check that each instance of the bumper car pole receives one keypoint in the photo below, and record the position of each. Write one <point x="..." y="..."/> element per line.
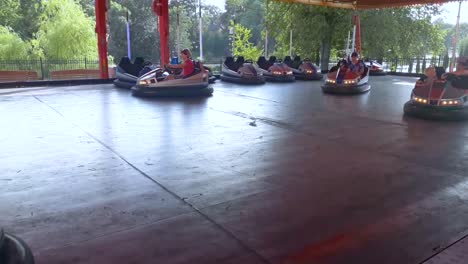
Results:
<point x="101" y="30"/>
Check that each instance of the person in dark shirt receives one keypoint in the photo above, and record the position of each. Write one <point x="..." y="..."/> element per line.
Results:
<point x="356" y="65"/>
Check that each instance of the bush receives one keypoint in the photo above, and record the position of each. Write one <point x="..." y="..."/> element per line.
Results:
<point x="12" y="47"/>
<point x="464" y="47"/>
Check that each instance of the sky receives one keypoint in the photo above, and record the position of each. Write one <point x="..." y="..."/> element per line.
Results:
<point x="218" y="3"/>
<point x="449" y="14"/>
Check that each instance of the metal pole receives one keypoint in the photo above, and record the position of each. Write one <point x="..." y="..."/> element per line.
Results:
<point x="357" y="26"/>
<point x="164" y="31"/>
<point x="290" y="42"/>
<point x="129" y="49"/>
<point x="455" y="39"/>
<point x="101" y="30"/>
<point x="201" y="30"/>
<point x="266" y="32"/>
<point x="354" y="39"/>
<point x="178" y="31"/>
<point x="347" y="43"/>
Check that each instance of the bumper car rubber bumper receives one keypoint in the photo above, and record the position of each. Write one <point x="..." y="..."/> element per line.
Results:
<point x="14" y="250"/>
<point x="183" y="91"/>
<point x="242" y="80"/>
<point x="346" y="89"/>
<point x="451" y="113"/>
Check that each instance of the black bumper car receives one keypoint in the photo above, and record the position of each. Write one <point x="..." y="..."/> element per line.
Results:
<point x="274" y="71"/>
<point x="240" y="71"/>
<point x="127" y="72"/>
<point x="13" y="250"/>
<point x="303" y="70"/>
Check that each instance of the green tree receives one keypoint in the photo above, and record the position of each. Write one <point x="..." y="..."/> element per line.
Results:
<point x="117" y="41"/>
<point x="242" y="45"/>
<point x="184" y="27"/>
<point x="12" y="47"/>
<point x="249" y="13"/>
<point x="215" y="34"/>
<point x="67" y="33"/>
<point x="23" y="16"/>
<point x="143" y="25"/>
<point x="320" y="29"/>
<point x="464" y="47"/>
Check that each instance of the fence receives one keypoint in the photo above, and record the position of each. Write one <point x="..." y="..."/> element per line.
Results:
<point x="44" y="67"/>
<point x="411" y="65"/>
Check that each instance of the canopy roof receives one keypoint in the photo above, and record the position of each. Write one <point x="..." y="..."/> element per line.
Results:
<point x="366" y="4"/>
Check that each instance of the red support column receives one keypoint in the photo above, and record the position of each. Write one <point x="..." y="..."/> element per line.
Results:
<point x="101" y="30"/>
<point x="164" y="31"/>
<point x="357" y="23"/>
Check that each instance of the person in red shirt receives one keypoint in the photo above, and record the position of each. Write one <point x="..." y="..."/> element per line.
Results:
<point x="187" y="65"/>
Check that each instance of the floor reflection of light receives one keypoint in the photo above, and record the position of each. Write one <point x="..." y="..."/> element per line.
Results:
<point x="405" y="83"/>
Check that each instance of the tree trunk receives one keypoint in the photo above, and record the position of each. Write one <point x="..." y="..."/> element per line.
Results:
<point x="446" y="60"/>
<point x="317" y="56"/>
<point x="326" y="48"/>
<point x="410" y="66"/>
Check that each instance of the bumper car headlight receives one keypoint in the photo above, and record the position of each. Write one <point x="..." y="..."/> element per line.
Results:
<point x="289" y="72"/>
<point x="309" y="71"/>
<point x="451" y="102"/>
<point x="276" y="72"/>
<point x="331" y="81"/>
<point x="420" y="100"/>
<point x="350" y="82"/>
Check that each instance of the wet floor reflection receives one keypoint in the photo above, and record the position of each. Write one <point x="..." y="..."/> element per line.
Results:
<point x="279" y="172"/>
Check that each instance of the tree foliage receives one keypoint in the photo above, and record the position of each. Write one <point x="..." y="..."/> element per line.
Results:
<point x="60" y="37"/>
<point x="242" y="45"/>
<point x="12" y="47"/>
<point x="65" y="29"/>
<point x="143" y="25"/>
<point x="23" y="16"/>
<point x="248" y="13"/>
<point x="315" y="29"/>
<point x="464" y="47"/>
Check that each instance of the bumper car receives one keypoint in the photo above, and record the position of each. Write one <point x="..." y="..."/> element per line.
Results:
<point x="275" y="71"/>
<point x="127" y="72"/>
<point x="375" y="68"/>
<point x="340" y="80"/>
<point x="440" y="96"/>
<point x="211" y="77"/>
<point x="303" y="70"/>
<point x="14" y="250"/>
<point x="240" y="71"/>
<point x="155" y="84"/>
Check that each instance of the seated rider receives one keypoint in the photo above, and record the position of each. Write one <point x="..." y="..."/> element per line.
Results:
<point x="187" y="66"/>
<point x="356" y="65"/>
<point x="459" y="78"/>
<point x="343" y="67"/>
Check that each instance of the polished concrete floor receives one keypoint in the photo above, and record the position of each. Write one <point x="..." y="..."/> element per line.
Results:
<point x="278" y="173"/>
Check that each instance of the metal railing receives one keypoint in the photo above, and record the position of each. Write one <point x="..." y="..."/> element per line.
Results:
<point x="44" y="67"/>
<point x="411" y="65"/>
